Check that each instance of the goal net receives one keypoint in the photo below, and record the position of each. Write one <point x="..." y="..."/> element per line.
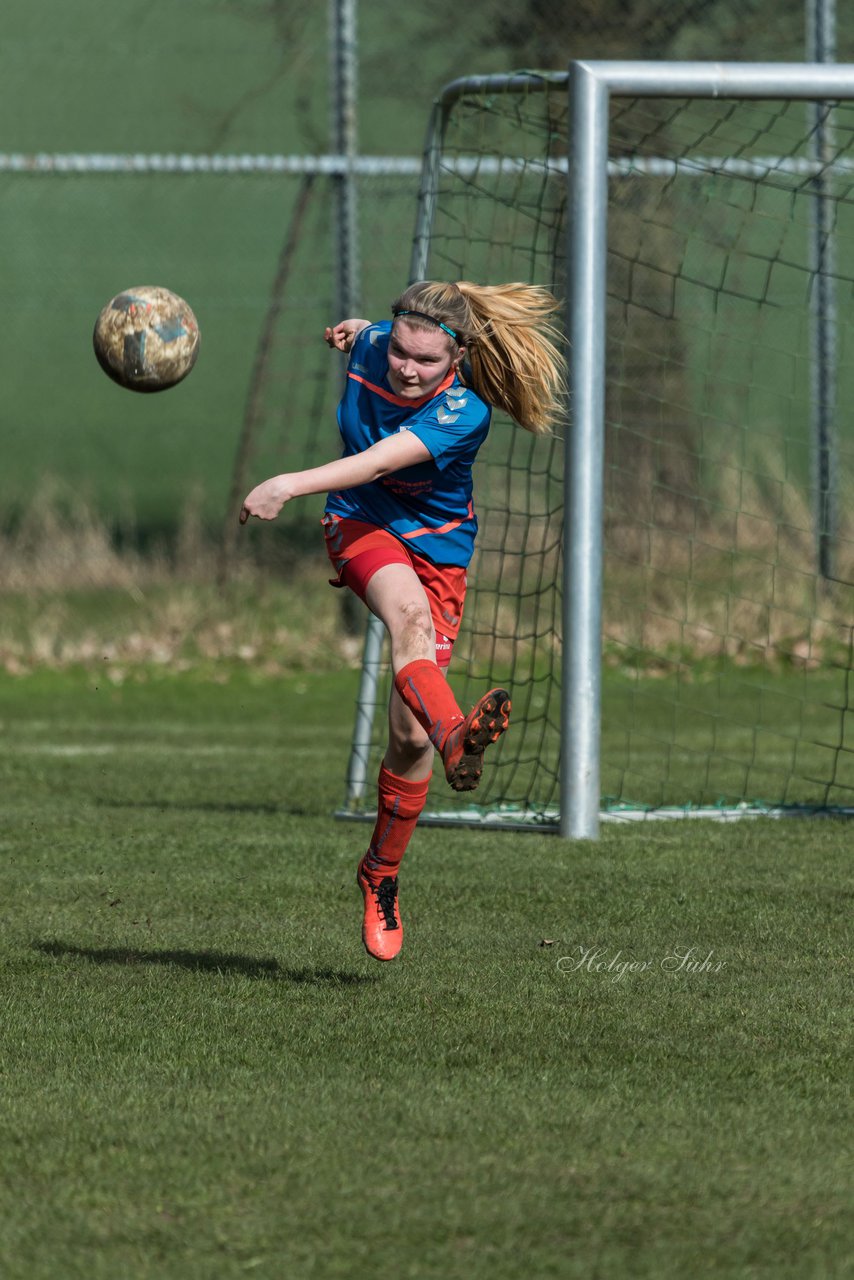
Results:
<point x="728" y="596"/>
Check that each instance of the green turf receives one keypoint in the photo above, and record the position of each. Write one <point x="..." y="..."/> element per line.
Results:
<point x="203" y="1075"/>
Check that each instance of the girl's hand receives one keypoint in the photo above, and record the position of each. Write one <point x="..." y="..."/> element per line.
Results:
<point x="394" y="453"/>
<point x="266" y="500"/>
<point x="342" y="335"/>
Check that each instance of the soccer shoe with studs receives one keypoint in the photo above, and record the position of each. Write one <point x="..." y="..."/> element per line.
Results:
<point x="382" y="931"/>
<point x="462" y="753"/>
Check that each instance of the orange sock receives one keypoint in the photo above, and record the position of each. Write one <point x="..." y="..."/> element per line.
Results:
<point x="399" y="805"/>
<point x="429" y="697"/>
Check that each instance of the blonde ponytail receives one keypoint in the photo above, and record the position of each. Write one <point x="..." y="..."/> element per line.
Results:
<point x="512" y="346"/>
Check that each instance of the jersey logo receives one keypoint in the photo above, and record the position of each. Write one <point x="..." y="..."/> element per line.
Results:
<point x="453" y="402"/>
<point x="360" y="368"/>
<point x="374" y="336"/>
<point x="446" y="418"/>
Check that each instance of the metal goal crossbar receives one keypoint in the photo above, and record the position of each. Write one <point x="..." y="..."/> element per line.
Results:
<point x="553" y="217"/>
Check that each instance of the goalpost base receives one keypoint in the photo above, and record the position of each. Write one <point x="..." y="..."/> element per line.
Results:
<point x="547" y="822"/>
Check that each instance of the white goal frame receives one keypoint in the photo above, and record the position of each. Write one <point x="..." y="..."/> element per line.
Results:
<point x="591" y="87"/>
<point x="588" y="168"/>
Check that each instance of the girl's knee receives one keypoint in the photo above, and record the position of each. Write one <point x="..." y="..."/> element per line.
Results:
<point x="415" y="618"/>
<point x="410" y="742"/>
<point x="411" y="632"/>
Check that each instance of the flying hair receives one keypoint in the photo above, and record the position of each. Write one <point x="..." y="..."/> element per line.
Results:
<point x="513" y="348"/>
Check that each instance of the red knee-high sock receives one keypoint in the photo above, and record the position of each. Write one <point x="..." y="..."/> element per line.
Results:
<point x="399" y="805"/>
<point x="429" y="697"/>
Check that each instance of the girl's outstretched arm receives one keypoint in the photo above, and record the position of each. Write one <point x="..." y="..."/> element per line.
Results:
<point x="392" y="454"/>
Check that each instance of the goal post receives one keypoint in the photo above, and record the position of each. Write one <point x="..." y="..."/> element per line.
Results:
<point x="667" y="583"/>
<point x="370" y="701"/>
<point x="592" y="85"/>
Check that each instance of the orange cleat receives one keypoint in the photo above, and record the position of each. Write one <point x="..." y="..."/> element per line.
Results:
<point x="382" y="931"/>
<point x="464" y="746"/>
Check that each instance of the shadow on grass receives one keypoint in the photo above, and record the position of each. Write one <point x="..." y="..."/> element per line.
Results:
<point x="212" y="806"/>
<point x="206" y="962"/>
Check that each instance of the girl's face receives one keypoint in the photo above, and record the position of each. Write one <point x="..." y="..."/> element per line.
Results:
<point x="418" y="359"/>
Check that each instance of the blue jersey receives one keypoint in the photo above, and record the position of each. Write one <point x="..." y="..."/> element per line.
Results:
<point x="428" y="506"/>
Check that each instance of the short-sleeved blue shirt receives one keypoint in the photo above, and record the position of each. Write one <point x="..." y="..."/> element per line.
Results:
<point x="428" y="506"/>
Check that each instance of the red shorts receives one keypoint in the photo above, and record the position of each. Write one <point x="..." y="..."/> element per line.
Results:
<point x="358" y="549"/>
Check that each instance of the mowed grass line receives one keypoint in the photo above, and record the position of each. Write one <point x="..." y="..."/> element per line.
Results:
<point x="203" y="1075"/>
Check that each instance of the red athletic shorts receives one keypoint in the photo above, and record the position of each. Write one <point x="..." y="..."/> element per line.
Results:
<point x="358" y="549"/>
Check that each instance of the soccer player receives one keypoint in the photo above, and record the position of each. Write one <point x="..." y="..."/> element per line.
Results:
<point x="400" y="525"/>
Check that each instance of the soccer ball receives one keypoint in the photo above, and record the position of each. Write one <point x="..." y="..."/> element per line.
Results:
<point x="146" y="339"/>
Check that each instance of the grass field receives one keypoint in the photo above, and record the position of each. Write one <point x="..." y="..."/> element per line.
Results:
<point x="622" y="1059"/>
<point x="204" y="1075"/>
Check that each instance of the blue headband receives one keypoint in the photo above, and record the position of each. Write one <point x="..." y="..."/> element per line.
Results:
<point x="424" y="316"/>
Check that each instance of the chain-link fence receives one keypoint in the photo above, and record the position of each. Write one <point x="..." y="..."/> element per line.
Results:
<point x="190" y="146"/>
